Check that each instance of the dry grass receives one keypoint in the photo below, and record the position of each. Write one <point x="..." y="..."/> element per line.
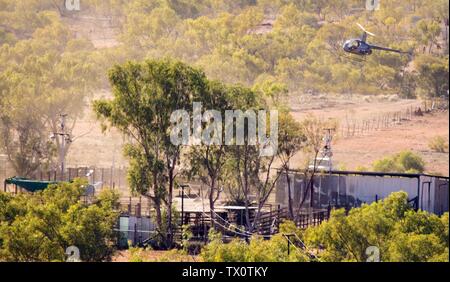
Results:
<point x="155" y="256"/>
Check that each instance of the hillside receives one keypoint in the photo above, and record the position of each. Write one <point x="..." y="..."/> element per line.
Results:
<point x="287" y="49"/>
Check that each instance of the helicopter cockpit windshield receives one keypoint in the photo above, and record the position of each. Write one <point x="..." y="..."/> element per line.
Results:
<point x="351" y="45"/>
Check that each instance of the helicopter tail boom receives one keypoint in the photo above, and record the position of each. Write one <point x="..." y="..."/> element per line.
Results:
<point x="389" y="49"/>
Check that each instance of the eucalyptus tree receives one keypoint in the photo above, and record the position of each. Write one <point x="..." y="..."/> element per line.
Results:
<point x="145" y="96"/>
<point x="208" y="160"/>
<point x="44" y="76"/>
<point x="291" y="141"/>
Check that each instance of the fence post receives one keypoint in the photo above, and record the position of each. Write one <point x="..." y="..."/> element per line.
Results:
<point x="135" y="234"/>
<point x="139" y="207"/>
<point x="278" y="218"/>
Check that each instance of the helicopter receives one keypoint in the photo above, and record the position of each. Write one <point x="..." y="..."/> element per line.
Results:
<point x="362" y="48"/>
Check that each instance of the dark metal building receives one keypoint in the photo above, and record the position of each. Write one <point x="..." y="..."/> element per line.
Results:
<point x="351" y="189"/>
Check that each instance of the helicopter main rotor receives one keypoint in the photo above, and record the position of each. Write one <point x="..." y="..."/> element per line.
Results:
<point x="364" y="36"/>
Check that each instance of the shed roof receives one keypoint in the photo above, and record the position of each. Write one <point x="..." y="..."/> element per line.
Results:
<point x="28" y="184"/>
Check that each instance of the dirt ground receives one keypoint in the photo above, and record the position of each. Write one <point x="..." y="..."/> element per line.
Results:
<point x="414" y="135"/>
<point x="350" y="153"/>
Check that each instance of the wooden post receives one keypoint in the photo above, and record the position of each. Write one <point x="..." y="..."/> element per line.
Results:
<point x="139" y="206"/>
<point x="135" y="234"/>
<point x="289" y="245"/>
<point x="278" y="218"/>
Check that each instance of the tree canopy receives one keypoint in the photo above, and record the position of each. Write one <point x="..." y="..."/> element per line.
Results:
<point x="41" y="226"/>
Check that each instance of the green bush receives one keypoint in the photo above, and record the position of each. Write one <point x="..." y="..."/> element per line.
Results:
<point x="400" y="233"/>
<point x="386" y="165"/>
<point x="403" y="162"/>
<point x="438" y="144"/>
<point x="257" y="250"/>
<point x="41" y="226"/>
<point x="136" y="254"/>
<point x="410" y="162"/>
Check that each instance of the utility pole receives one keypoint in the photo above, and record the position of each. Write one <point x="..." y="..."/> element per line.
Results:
<point x="327" y="152"/>
<point x="62" y="138"/>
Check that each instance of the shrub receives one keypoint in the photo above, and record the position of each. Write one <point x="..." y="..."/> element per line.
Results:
<point x="193" y="248"/>
<point x="410" y="162"/>
<point x="258" y="249"/>
<point x="403" y="162"/>
<point x="386" y="165"/>
<point x="361" y="168"/>
<point x="40" y="226"/>
<point x="438" y="144"/>
<point x="400" y="233"/>
<point x="136" y="255"/>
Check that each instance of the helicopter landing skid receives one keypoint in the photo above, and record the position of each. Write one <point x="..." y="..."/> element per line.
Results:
<point x="355" y="59"/>
<point x="347" y="56"/>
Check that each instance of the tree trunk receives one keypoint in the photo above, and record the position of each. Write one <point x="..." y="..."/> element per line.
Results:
<point x="256" y="219"/>
<point x="291" y="208"/>
<point x="169" y="210"/>
<point x="309" y="186"/>
<point x="211" y="203"/>
<point x="247" y="213"/>
<point x="157" y="204"/>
